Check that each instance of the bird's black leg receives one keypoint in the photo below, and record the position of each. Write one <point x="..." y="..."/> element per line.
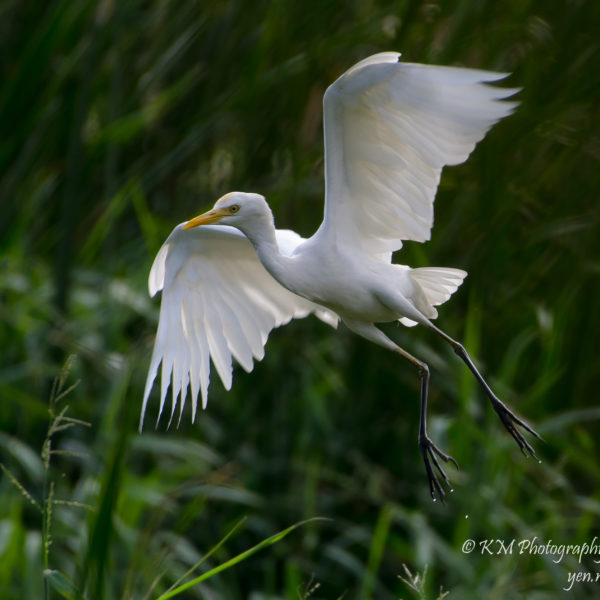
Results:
<point x="429" y="451"/>
<point x="508" y="418"/>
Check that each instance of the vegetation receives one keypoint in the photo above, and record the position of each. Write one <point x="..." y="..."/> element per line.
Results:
<point x="121" y="119"/>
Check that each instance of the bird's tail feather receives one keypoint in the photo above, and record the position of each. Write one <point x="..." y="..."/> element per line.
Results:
<point x="436" y="285"/>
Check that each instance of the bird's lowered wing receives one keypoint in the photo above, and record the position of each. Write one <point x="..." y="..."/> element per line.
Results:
<point x="218" y="301"/>
<point x="390" y="127"/>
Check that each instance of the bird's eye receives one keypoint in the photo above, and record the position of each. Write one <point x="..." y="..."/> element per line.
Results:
<point x="234" y="208"/>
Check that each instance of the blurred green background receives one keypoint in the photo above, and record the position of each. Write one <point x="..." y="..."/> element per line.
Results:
<point x="121" y="119"/>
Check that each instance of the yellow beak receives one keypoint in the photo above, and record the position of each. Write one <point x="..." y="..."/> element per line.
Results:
<point x="212" y="216"/>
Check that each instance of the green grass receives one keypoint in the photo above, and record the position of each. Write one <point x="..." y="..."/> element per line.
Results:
<point x="121" y="120"/>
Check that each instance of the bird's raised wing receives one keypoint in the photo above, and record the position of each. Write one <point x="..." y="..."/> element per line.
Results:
<point x="390" y="127"/>
<point x="218" y="301"/>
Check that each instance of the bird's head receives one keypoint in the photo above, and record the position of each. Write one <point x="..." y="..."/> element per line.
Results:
<point x="235" y="209"/>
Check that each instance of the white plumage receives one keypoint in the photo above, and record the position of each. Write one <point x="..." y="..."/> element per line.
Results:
<point x="390" y="127"/>
<point x="218" y="302"/>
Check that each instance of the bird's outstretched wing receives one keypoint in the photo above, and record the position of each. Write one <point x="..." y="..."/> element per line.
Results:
<point x="390" y="127"/>
<point x="218" y="301"/>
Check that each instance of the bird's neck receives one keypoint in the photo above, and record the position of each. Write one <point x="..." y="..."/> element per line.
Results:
<point x="261" y="234"/>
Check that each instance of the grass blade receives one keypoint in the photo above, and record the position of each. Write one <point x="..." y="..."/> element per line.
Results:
<point x="237" y="559"/>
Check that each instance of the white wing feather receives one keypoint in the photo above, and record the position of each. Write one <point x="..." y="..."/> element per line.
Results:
<point x="218" y="302"/>
<point x="390" y="127"/>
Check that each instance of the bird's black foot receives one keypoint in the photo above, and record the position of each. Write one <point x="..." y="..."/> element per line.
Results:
<point x="512" y="422"/>
<point x="430" y="453"/>
<point x="508" y="418"/>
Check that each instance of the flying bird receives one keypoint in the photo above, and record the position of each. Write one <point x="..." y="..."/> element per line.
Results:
<point x="390" y="127"/>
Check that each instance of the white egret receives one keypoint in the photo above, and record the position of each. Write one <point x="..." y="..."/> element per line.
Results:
<point x="390" y="128"/>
